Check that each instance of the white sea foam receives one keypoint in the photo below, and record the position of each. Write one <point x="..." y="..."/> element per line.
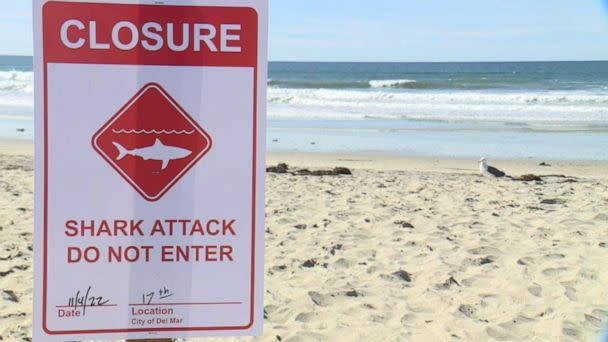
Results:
<point x="17" y="82"/>
<point x="16" y="117"/>
<point x="302" y="96"/>
<point x="16" y="93"/>
<point x="428" y="105"/>
<point x="389" y="83"/>
<point x="12" y="101"/>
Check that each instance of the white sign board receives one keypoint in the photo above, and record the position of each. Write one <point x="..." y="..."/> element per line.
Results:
<point x="150" y="140"/>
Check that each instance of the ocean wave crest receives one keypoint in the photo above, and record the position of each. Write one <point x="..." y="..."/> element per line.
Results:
<point x="390" y="83"/>
<point x="482" y="83"/>
<point x="350" y="84"/>
<point x="18" y="82"/>
<point x="313" y="84"/>
<point x="314" y="96"/>
<point x="428" y="105"/>
<point x="16" y="117"/>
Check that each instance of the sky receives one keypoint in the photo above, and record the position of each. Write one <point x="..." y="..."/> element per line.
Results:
<point x="405" y="30"/>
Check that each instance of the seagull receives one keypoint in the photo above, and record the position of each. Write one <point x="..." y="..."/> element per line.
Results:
<point x="487" y="170"/>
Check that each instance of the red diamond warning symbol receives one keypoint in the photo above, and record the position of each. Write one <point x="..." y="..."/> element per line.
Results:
<point x="152" y="142"/>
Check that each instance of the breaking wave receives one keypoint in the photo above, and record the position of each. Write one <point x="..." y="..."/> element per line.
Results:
<point x="16" y="93"/>
<point x="17" y="82"/>
<point x="391" y="83"/>
<point x="312" y="84"/>
<point x="550" y="106"/>
<point x="340" y="84"/>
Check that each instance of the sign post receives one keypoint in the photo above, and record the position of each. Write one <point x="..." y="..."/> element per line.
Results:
<point x="150" y="155"/>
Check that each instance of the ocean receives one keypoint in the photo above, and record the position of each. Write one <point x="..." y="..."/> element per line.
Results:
<point x="540" y="110"/>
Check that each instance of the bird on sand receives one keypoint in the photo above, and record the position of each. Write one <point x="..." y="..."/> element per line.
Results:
<point x="487" y="170"/>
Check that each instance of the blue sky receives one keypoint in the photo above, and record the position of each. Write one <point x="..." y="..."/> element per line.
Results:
<point x="406" y="30"/>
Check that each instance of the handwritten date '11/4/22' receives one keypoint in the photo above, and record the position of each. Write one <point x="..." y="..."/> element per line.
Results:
<point x="86" y="299"/>
<point x="162" y="293"/>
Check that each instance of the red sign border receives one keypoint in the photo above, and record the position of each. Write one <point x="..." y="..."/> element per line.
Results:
<point x="181" y="111"/>
<point x="253" y="219"/>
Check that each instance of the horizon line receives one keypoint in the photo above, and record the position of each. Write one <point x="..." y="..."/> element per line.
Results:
<point x="453" y="61"/>
<point x="416" y="61"/>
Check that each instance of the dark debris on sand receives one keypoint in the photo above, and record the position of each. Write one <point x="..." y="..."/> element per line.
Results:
<point x="309" y="263"/>
<point x="352" y="293"/>
<point x="553" y="201"/>
<point x="10" y="296"/>
<point x="404" y="224"/>
<point x="447" y="284"/>
<point x="284" y="168"/>
<point x="528" y="178"/>
<point x="540" y="178"/>
<point x="403" y="275"/>
<point x="280" y="168"/>
<point x="483" y="261"/>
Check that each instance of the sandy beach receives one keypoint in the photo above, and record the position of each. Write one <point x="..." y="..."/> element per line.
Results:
<point x="417" y="249"/>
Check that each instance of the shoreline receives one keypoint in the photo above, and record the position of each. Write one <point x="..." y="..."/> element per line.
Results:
<point x="16" y="147"/>
<point x="386" y="162"/>
<point x="515" y="167"/>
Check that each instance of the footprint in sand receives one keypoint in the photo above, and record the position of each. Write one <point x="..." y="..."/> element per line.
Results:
<point x="554" y="271"/>
<point x="421" y="307"/>
<point x="555" y="256"/>
<point x="515" y="323"/>
<point x="570" y="293"/>
<point x="587" y="274"/>
<point x="319" y="299"/>
<point x="279" y="315"/>
<point x="571" y="330"/>
<point x="601" y="217"/>
<point x="592" y="322"/>
<point x="305" y="317"/>
<point x="498" y="334"/>
<point x="467" y="310"/>
<point x="408" y="319"/>
<point x="525" y="261"/>
<point x="468" y="282"/>
<point x="377" y="318"/>
<point x="485" y="250"/>
<point x="306" y="336"/>
<point x="478" y="261"/>
<point x="342" y="263"/>
<point x="599" y="313"/>
<point x="536" y="290"/>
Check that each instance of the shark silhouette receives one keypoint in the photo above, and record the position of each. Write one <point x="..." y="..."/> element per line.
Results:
<point x="158" y="151"/>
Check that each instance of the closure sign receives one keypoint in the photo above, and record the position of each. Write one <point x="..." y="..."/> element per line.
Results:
<point x="150" y="140"/>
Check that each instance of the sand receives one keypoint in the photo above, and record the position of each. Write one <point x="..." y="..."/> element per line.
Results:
<point x="16" y="240"/>
<point x="417" y="249"/>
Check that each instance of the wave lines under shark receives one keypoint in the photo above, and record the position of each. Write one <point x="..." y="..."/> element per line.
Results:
<point x="152" y="131"/>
